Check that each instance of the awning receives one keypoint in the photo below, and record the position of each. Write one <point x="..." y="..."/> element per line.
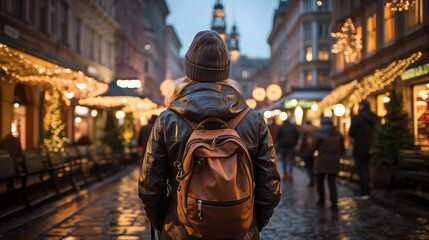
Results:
<point x="127" y="99"/>
<point x="301" y="95"/>
<point x="21" y="67"/>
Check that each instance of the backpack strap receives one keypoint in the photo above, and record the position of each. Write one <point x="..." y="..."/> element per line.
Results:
<point x="235" y="121"/>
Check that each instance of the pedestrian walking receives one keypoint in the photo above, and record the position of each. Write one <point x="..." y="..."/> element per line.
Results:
<point x="144" y="134"/>
<point x="304" y="141"/>
<point x="362" y="129"/>
<point x="203" y="95"/>
<point x="287" y="138"/>
<point x="329" y="144"/>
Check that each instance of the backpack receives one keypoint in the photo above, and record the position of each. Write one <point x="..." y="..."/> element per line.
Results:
<point x="215" y="192"/>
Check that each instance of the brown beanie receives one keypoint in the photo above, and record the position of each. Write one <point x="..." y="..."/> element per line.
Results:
<point x="207" y="58"/>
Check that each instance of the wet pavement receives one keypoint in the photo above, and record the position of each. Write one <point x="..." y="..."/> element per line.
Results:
<point x="117" y="213"/>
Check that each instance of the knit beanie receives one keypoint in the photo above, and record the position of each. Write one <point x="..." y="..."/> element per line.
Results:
<point x="207" y="58"/>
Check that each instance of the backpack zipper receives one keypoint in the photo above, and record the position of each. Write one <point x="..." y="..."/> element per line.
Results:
<point x="217" y="204"/>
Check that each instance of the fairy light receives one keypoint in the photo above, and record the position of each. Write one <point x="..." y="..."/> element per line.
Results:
<point x="348" y="41"/>
<point x="274" y="92"/>
<point x="400" y="5"/>
<point x="24" y="68"/>
<point x="354" y="92"/>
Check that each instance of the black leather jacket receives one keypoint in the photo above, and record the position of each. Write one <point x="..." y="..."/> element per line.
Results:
<point x="166" y="144"/>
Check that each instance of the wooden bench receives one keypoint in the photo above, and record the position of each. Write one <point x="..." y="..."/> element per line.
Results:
<point x="410" y="177"/>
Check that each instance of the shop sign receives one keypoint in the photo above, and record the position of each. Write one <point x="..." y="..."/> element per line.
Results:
<point x="415" y="72"/>
<point x="129" y="83"/>
<point x="11" y="31"/>
<point x="292" y="103"/>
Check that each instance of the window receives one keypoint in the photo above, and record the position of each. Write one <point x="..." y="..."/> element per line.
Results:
<point x="307" y="30"/>
<point x="77" y="35"/>
<point x="307" y="5"/>
<point x="308" y="78"/>
<point x="245" y="74"/>
<point x="146" y="66"/>
<point x="323" y="78"/>
<point x="43" y="14"/>
<point x="63" y="23"/>
<point x="308" y="54"/>
<point x="371" y="30"/>
<point x="359" y="33"/>
<point x="322" y="5"/>
<point x="91" y="43"/>
<point x="323" y="30"/>
<point x="20" y="7"/>
<point x="415" y="14"/>
<point x="323" y="54"/>
<point x="339" y="61"/>
<point x="99" y="48"/>
<point x="389" y="24"/>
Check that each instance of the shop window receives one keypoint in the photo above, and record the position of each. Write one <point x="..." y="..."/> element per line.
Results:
<point x="389" y="24"/>
<point x="323" y="78"/>
<point x="415" y="14"/>
<point x="81" y="122"/>
<point x="308" y="77"/>
<point x="421" y="113"/>
<point x="308" y="54"/>
<point x="19" y="117"/>
<point x="371" y="33"/>
<point x="323" y="53"/>
<point x="19" y="7"/>
<point x="382" y="99"/>
<point x="91" y="43"/>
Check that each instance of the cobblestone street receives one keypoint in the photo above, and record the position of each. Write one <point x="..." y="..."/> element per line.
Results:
<point x="118" y="214"/>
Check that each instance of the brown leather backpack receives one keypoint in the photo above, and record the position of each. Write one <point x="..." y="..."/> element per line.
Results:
<point x="215" y="193"/>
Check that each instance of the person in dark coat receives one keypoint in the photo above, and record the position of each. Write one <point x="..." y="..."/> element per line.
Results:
<point x="304" y="141"/>
<point x="144" y="134"/>
<point x="287" y="138"/>
<point x="205" y="92"/>
<point x="329" y="144"/>
<point x="362" y="129"/>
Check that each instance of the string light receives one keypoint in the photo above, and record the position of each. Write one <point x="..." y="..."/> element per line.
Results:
<point x="274" y="92"/>
<point x="348" y="41"/>
<point x="400" y="5"/>
<point x="25" y="68"/>
<point x="55" y="139"/>
<point x="354" y="92"/>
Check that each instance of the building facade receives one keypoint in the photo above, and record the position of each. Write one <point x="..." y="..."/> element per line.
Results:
<point x="300" y="53"/>
<point x="395" y="43"/>
<point x="61" y="41"/>
<point x="155" y="31"/>
<point x="174" y="63"/>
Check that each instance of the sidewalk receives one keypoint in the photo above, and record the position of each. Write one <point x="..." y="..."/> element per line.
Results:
<point x="114" y="211"/>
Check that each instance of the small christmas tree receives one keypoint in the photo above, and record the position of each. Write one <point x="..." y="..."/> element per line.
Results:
<point x="128" y="129"/>
<point x="394" y="134"/>
<point x="55" y="138"/>
<point x="112" y="134"/>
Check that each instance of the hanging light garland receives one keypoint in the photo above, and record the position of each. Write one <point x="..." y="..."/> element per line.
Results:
<point x="21" y="67"/>
<point x="348" y="41"/>
<point x="380" y="79"/>
<point x="353" y="92"/>
<point x="337" y="95"/>
<point x="400" y="5"/>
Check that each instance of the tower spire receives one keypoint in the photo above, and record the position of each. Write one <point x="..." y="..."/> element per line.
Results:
<point x="218" y="22"/>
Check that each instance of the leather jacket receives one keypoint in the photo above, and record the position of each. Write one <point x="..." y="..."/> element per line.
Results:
<point x="166" y="144"/>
